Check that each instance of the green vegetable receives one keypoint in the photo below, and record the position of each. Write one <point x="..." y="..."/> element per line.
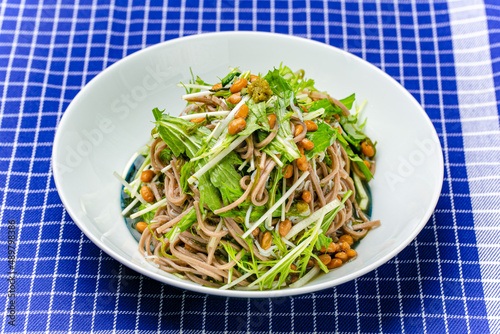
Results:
<point x="148" y="216"/>
<point x="325" y="104"/>
<point x="322" y="138"/>
<point x="256" y="119"/>
<point x="360" y="192"/>
<point x="180" y="135"/>
<point x="349" y="124"/>
<point x="323" y="241"/>
<point x="283" y="142"/>
<point x="166" y="155"/>
<point x="296" y="79"/>
<point x="279" y="86"/>
<point x="225" y="178"/>
<point x="182" y="138"/>
<point x="186" y="222"/>
<point x="228" y="78"/>
<point x="355" y="158"/>
<point x="348" y="101"/>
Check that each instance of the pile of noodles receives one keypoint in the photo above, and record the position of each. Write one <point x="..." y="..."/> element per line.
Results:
<point x="196" y="254"/>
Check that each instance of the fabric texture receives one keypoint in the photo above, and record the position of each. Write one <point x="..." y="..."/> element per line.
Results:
<point x="447" y="54"/>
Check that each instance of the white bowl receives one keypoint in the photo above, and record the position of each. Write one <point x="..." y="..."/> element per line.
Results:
<point x="111" y="118"/>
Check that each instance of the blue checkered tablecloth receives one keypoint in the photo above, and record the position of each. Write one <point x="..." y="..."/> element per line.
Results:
<point x="446" y="53"/>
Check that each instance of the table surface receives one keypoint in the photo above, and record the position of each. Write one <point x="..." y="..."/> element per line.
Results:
<point x="447" y="54"/>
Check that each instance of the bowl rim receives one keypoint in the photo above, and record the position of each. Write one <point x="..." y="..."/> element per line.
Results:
<point x="239" y="293"/>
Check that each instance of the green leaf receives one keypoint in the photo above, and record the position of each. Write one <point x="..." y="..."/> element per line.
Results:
<point x="325" y="104"/>
<point x="355" y="158"/>
<point x="256" y="120"/>
<point x="226" y="179"/>
<point x="279" y="86"/>
<point x="323" y="241"/>
<point x="209" y="194"/>
<point x="283" y="142"/>
<point x="157" y="113"/>
<point x="166" y="155"/>
<point x="322" y="138"/>
<point x="352" y="131"/>
<point x="181" y="136"/>
<point x="349" y="124"/>
<point x="258" y="110"/>
<point x="303" y="84"/>
<point x="284" y="70"/>
<point x="348" y="101"/>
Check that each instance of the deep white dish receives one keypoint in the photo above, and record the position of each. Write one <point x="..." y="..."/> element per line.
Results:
<point x="111" y="118"/>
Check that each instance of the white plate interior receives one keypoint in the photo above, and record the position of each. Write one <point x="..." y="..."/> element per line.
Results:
<point x="111" y="118"/>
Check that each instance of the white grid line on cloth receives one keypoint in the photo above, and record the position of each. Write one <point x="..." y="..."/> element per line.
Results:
<point x="96" y="293"/>
<point x="420" y="290"/>
<point x="218" y="20"/>
<point x="356" y="293"/>
<point x="422" y="101"/>
<point x="446" y="150"/>
<point x="226" y="314"/>
<point x="308" y="20"/>
<point x="108" y="35"/>
<point x="139" y="299"/>
<point x="47" y="189"/>
<point x="164" y="19"/>
<point x="314" y="313"/>
<point x="182" y="18"/>
<point x="379" y="306"/>
<point x="344" y="25"/>
<point x="126" y="34"/>
<point x="292" y="314"/>
<point x="248" y="316"/>
<point x="437" y="315"/>
<point x="80" y="244"/>
<point x="160" y="310"/>
<point x="75" y="285"/>
<point x="326" y="26"/>
<point x="261" y="21"/>
<point x="236" y="14"/>
<point x="16" y="137"/>
<point x="181" y="327"/>
<point x="145" y="24"/>
<point x="247" y="10"/>
<point x="364" y="279"/>
<point x="117" y="294"/>
<point x="204" y="313"/>
<point x="200" y="17"/>
<point x="93" y="73"/>
<point x="336" y="309"/>
<point x="363" y="31"/>
<point x="399" y="295"/>
<point x="382" y="36"/>
<point x="272" y="11"/>
<point x="313" y="36"/>
<point x="254" y="16"/>
<point x="486" y="77"/>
